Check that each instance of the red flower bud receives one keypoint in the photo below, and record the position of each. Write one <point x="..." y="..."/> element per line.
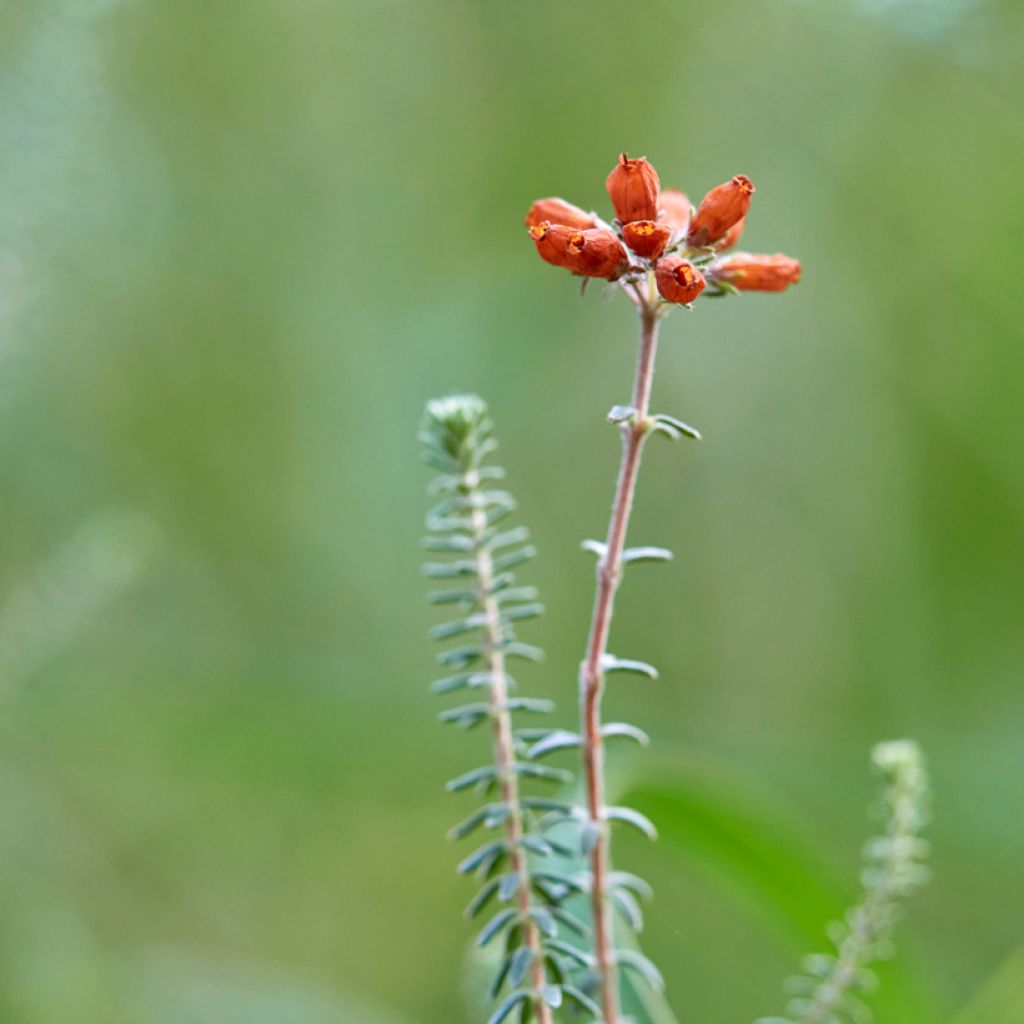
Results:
<point x="633" y="188"/>
<point x="551" y="240"/>
<point x="647" y="238"/>
<point x="558" y="211"/>
<point x="678" y="281"/>
<point x="756" y="273"/>
<point x="674" y="210"/>
<point x="596" y="253"/>
<point x="722" y="208"/>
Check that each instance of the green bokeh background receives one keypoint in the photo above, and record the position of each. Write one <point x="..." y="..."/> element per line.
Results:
<point x="241" y="243"/>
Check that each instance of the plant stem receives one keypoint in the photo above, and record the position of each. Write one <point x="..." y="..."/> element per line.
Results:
<point x="504" y="751"/>
<point x="609" y="570"/>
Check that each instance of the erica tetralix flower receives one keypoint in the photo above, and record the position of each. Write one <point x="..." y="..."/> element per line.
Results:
<point x="558" y="211"/>
<point x="596" y="252"/>
<point x="755" y="273"/>
<point x="678" y="281"/>
<point x="633" y="188"/>
<point x="551" y="241"/>
<point x="721" y="209"/>
<point x="647" y="238"/>
<point x="674" y="210"/>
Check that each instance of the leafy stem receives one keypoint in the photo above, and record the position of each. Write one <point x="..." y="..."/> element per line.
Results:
<point x="504" y="747"/>
<point x="609" y="570"/>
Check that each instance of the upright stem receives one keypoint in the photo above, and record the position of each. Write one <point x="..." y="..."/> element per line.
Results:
<point x="592" y="672"/>
<point x="504" y="756"/>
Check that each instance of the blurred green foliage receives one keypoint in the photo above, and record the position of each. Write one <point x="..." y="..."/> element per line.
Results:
<point x="240" y="245"/>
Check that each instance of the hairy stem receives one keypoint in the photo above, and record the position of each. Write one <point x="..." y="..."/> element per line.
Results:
<point x="592" y="672"/>
<point x="504" y="752"/>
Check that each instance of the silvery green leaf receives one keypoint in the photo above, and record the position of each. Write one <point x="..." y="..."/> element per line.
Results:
<point x="631" y="817"/>
<point x="610" y="663"/>
<point x="647" y="554"/>
<point x="557" y="740"/>
<point x="625" y="729"/>
<point x="678" y="426"/>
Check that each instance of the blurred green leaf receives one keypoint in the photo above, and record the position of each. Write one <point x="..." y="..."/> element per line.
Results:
<point x="1001" y="999"/>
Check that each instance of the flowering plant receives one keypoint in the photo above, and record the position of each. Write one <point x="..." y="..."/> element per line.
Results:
<point x="567" y="920"/>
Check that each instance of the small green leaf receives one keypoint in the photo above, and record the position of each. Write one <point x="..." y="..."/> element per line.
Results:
<point x="501" y="920"/>
<point x="621" y="413"/>
<point x="460" y="656"/>
<point x="545" y="921"/>
<point x="610" y="663"/>
<point x="634" y="883"/>
<point x="595" y="547"/>
<point x="535" y="705"/>
<point x="590" y="834"/>
<point x="647" y="554"/>
<point x="452" y="544"/>
<point x="449" y="570"/>
<point x="482" y="776"/>
<point x="677" y="427"/>
<point x="510" y="561"/>
<point x="446" y="630"/>
<point x="540" y="771"/>
<point x="637" y="962"/>
<point x="629" y="908"/>
<point x="583" y="1001"/>
<point x="638" y="821"/>
<point x="518" y="613"/>
<point x="515" y="649"/>
<point x="571" y="952"/>
<point x="536" y="844"/>
<point x="486" y="855"/>
<point x="503" y="1011"/>
<point x="466" y="715"/>
<point x="625" y="729"/>
<point x="520" y="963"/>
<point x="557" y="740"/>
<point x="482" y="898"/>
<point x="552" y="995"/>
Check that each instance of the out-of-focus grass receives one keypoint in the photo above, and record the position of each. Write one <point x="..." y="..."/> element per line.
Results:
<point x="241" y="244"/>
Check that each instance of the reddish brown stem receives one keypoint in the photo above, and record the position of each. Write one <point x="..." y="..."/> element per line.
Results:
<point x="609" y="570"/>
<point x="504" y="757"/>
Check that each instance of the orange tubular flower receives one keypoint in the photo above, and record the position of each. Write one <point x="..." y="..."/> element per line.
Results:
<point x="756" y="273"/>
<point x="721" y="209"/>
<point x="551" y="241"/>
<point x="647" y="238"/>
<point x="678" y="281"/>
<point x="558" y="211"/>
<point x="633" y="188"/>
<point x="674" y="210"/>
<point x="596" y="253"/>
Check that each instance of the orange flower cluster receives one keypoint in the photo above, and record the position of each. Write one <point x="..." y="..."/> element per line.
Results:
<point x="658" y="235"/>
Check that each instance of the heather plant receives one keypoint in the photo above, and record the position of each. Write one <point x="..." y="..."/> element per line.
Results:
<point x="552" y="853"/>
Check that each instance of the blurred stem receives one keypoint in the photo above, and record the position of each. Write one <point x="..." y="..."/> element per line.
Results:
<point x="504" y="750"/>
<point x="609" y="571"/>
